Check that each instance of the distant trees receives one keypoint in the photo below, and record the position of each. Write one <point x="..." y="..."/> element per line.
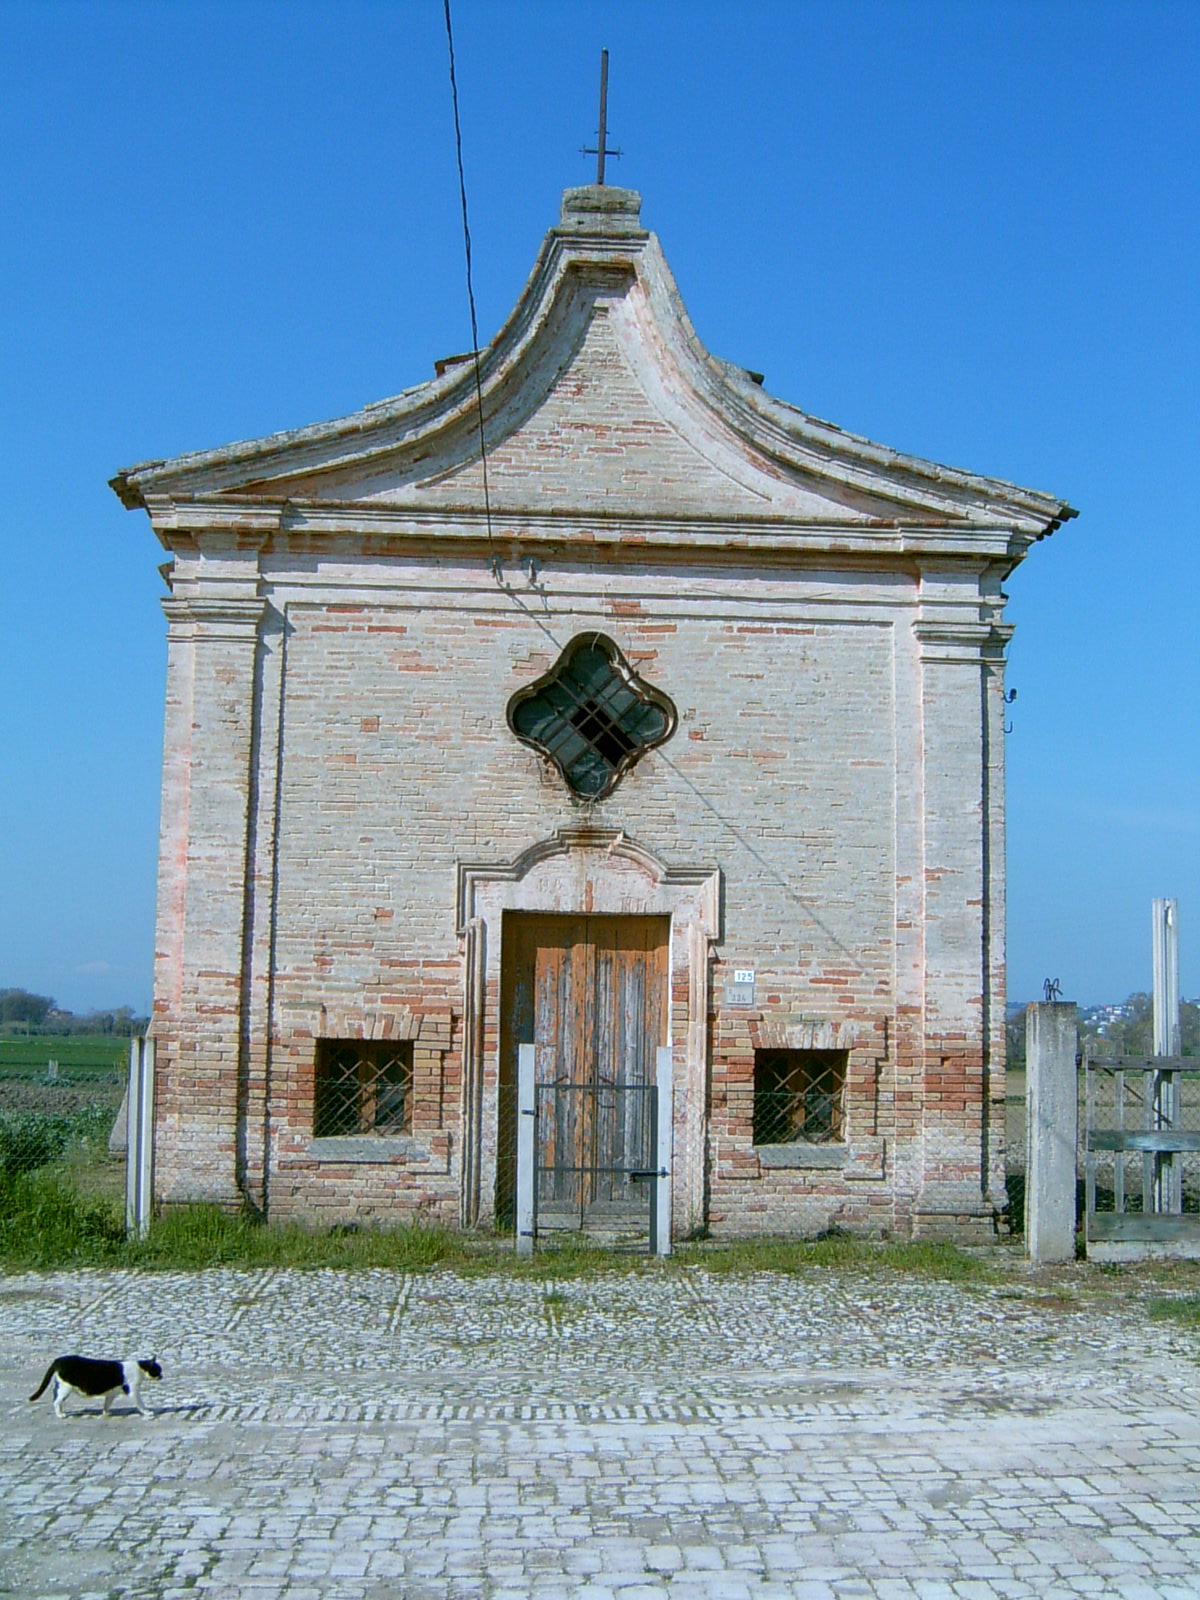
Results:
<point x="18" y="1007"/>
<point x="1133" y="1033"/>
<point x="22" y="1012"/>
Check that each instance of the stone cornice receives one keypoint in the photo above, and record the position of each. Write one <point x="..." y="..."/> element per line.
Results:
<point x="968" y="642"/>
<point x="416" y="526"/>
<point x="255" y="516"/>
<point x="217" y="618"/>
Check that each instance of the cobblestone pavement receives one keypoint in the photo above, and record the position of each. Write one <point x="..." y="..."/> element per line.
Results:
<point x="661" y="1433"/>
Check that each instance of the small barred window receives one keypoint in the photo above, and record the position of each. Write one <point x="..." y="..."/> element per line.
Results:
<point x="591" y="715"/>
<point x="362" y="1086"/>
<point x="799" y="1095"/>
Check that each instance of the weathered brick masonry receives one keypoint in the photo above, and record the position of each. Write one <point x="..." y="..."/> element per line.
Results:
<point x="351" y="828"/>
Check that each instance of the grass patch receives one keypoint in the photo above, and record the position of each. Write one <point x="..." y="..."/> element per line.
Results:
<point x="47" y="1221"/>
<point x="560" y="1260"/>
<point x="31" y="1139"/>
<point x="1182" y="1309"/>
<point x="198" y="1236"/>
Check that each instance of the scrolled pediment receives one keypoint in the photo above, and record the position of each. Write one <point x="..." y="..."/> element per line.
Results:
<point x="598" y="398"/>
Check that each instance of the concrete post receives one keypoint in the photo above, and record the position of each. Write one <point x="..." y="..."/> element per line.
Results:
<point x="663" y="1126"/>
<point x="1052" y="1130"/>
<point x="526" y="1151"/>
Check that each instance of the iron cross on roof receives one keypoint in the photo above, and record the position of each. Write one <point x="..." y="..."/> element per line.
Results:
<point x="601" y="149"/>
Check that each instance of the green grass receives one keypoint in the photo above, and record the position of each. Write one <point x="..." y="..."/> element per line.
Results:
<point x="81" y="1055"/>
<point x="46" y="1221"/>
<point x="30" y="1139"/>
<point x="204" y="1236"/>
<point x="1183" y="1308"/>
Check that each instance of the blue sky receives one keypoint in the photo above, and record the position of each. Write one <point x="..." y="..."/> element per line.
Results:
<point x="969" y="231"/>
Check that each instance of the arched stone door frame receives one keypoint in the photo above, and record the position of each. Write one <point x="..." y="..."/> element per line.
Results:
<point x="588" y="872"/>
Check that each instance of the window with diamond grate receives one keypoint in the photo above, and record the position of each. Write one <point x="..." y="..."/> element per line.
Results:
<point x="592" y="715"/>
<point x="798" y="1096"/>
<point x="362" y="1086"/>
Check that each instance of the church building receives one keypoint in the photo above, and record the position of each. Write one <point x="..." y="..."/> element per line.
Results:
<point x="587" y="699"/>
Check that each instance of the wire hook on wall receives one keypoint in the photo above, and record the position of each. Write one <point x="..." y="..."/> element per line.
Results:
<point x="1008" y="700"/>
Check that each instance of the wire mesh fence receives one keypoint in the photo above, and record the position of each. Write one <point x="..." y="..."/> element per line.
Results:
<point x="505" y="1201"/>
<point x="1141" y="1131"/>
<point x="59" y="1105"/>
<point x="811" y="1113"/>
<point x="1015" y="1152"/>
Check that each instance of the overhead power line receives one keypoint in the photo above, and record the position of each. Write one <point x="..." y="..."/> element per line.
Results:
<point x="462" y="190"/>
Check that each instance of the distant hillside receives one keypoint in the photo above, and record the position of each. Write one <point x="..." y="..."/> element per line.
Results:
<point x="1126" y="1028"/>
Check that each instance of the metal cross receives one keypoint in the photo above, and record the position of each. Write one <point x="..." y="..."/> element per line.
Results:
<point x="601" y="149"/>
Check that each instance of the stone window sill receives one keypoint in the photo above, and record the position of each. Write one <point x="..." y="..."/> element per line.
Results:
<point x="369" y="1148"/>
<point x="802" y="1155"/>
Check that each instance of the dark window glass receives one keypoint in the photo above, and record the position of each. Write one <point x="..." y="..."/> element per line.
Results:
<point x="362" y="1086"/>
<point x="591" y="715"/>
<point x="798" y="1096"/>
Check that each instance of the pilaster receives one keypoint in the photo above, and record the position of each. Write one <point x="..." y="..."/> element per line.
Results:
<point x="205" y="853"/>
<point x="961" y="1150"/>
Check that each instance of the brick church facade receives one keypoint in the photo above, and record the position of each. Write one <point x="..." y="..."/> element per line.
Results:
<point x="697" y="746"/>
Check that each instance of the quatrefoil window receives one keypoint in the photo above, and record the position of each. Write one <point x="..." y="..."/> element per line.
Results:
<point x="591" y="715"/>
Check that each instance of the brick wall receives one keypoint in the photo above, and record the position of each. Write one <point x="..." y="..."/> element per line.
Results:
<point x="825" y="760"/>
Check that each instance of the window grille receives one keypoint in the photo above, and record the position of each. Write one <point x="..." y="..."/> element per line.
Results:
<point x="591" y="715"/>
<point x="362" y="1086"/>
<point x="799" y="1095"/>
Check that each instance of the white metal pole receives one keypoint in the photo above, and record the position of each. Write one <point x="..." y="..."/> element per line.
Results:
<point x="1165" y="922"/>
<point x="664" y="1079"/>
<point x="526" y="1151"/>
<point x="133" y="1119"/>
<point x="139" y="1138"/>
<point x="145" y="1146"/>
<point x="1164" y="916"/>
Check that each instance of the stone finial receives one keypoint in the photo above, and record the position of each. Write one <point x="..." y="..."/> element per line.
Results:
<point x="598" y="208"/>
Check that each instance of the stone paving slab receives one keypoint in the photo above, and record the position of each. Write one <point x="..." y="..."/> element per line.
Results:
<point x="709" y="1437"/>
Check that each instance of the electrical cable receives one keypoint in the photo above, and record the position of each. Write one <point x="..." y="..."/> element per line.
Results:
<point x="462" y="190"/>
<point x="508" y="590"/>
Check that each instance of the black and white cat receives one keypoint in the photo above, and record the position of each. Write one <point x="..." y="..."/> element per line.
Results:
<point x="90" y="1378"/>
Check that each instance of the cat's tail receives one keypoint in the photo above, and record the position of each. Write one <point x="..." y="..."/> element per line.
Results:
<point x="41" y="1388"/>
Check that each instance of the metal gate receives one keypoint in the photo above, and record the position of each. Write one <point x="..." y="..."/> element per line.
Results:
<point x="624" y="1187"/>
<point x="1141" y="1156"/>
<point x="600" y="1176"/>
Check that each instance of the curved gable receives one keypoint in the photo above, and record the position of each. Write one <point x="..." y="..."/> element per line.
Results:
<point x="597" y="399"/>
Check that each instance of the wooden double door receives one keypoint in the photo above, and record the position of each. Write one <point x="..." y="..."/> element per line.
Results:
<point x="590" y="994"/>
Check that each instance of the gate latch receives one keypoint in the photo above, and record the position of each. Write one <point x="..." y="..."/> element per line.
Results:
<point x="660" y="1172"/>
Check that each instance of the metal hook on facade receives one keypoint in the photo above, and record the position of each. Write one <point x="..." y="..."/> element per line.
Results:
<point x="1008" y="700"/>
